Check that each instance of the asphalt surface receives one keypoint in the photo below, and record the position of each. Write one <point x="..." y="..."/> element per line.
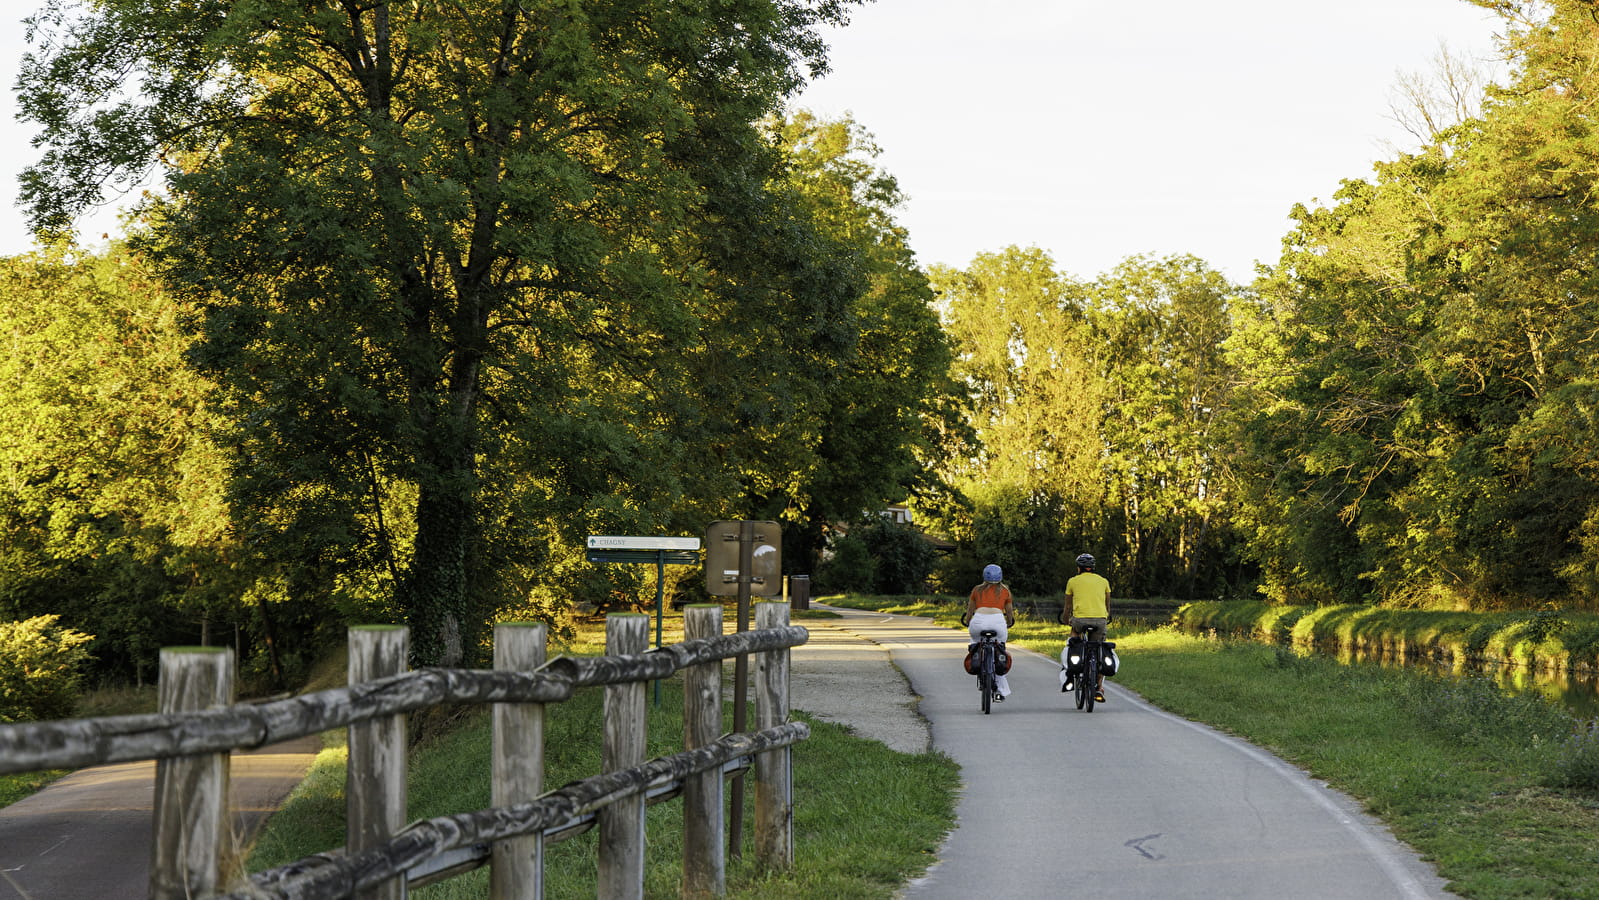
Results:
<point x="87" y="835"/>
<point x="1127" y="801"/>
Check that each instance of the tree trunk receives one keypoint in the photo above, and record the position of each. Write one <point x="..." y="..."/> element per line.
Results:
<point x="434" y="595"/>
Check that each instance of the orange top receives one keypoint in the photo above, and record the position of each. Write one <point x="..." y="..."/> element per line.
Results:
<point x="990" y="595"/>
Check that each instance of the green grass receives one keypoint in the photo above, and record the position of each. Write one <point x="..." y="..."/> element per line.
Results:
<point x="16" y="787"/>
<point x="866" y="818"/>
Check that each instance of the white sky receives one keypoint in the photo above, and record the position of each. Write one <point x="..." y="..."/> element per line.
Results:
<point x="1101" y="130"/>
<point x="1095" y="131"/>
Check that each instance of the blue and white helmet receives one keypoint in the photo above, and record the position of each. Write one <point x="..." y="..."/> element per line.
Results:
<point x="992" y="573"/>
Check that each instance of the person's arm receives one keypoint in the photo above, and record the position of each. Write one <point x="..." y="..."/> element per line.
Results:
<point x="971" y="607"/>
<point x="1010" y="609"/>
<point x="1066" y="607"/>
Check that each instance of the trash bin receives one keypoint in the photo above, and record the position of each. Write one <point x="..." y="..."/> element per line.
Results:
<point x="799" y="592"/>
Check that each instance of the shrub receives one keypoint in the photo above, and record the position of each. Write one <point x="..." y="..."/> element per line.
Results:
<point x="901" y="557"/>
<point x="41" y="664"/>
<point x="1577" y="763"/>
<point x="850" y="568"/>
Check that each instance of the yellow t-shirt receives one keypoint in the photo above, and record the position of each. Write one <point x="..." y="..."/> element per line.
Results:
<point x="1088" y="596"/>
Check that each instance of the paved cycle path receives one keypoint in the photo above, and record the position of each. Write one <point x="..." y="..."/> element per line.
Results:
<point x="87" y="836"/>
<point x="1127" y="801"/>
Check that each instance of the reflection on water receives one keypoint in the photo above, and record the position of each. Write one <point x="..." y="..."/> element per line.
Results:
<point x="1577" y="691"/>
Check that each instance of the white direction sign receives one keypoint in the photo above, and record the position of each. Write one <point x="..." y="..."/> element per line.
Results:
<point x="633" y="542"/>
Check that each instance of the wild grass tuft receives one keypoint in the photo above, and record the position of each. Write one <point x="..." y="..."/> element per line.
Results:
<point x="1576" y="764"/>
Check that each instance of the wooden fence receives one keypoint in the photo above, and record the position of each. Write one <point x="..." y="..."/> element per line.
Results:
<point x="198" y="725"/>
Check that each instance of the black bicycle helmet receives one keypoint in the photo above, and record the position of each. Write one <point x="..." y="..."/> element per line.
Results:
<point x="1086" y="561"/>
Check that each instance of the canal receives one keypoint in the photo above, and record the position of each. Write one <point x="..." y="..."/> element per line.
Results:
<point x="1577" y="691"/>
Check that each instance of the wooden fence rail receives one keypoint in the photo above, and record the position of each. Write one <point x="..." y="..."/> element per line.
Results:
<point x="381" y="857"/>
<point x="75" y="743"/>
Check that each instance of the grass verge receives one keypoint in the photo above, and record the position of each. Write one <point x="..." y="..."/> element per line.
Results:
<point x="866" y="818"/>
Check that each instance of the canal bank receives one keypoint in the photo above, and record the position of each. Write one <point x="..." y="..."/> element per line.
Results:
<point x="1551" y="651"/>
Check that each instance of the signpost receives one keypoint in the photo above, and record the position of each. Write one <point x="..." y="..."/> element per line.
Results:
<point x="663" y="551"/>
<point x="742" y="557"/>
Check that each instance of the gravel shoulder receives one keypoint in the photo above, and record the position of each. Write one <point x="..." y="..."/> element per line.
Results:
<point x="843" y="677"/>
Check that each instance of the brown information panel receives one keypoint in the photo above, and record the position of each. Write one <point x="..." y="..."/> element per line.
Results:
<point x="723" y="542"/>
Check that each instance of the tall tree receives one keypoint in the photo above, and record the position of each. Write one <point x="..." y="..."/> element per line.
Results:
<point x="1425" y="409"/>
<point x="399" y="215"/>
<point x="1024" y="346"/>
<point x="1160" y="328"/>
<point x="112" y="507"/>
<point x="890" y="400"/>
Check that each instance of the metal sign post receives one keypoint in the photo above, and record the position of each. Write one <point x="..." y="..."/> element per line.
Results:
<point x="663" y="551"/>
<point x="742" y="557"/>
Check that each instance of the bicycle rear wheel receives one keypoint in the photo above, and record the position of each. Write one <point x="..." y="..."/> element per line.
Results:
<point x="1090" y="677"/>
<point x="985" y="681"/>
<point x="1082" y="683"/>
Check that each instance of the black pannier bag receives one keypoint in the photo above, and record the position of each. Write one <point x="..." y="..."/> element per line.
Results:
<point x="1109" y="662"/>
<point x="1073" y="655"/>
<point x="1001" y="659"/>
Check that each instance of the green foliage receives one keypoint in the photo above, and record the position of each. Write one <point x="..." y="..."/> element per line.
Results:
<point x="901" y="556"/>
<point x="1414" y="423"/>
<point x="849" y="568"/>
<point x="890" y="411"/>
<point x="41" y="667"/>
<point x="1097" y="407"/>
<point x="112" y="508"/>
<point x="1577" y="764"/>
<point x="477" y="286"/>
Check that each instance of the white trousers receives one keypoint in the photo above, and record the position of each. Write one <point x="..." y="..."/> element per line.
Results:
<point x="986" y="620"/>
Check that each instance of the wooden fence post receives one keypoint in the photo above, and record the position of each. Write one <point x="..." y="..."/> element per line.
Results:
<point x="704" y="858"/>
<point x="621" y="874"/>
<point x="375" y="792"/>
<point x="774" y="801"/>
<point x="517" y="869"/>
<point x="191" y="792"/>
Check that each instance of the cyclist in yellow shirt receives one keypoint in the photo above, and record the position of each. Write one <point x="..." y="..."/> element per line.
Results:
<point x="1087" y="604"/>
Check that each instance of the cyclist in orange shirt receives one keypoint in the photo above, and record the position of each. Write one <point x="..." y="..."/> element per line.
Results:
<point x="989" y="608"/>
